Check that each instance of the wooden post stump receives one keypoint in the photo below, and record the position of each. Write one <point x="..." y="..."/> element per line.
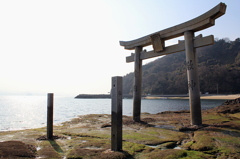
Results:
<point x="50" y="116"/>
<point x="193" y="81"/>
<point x="116" y="118"/>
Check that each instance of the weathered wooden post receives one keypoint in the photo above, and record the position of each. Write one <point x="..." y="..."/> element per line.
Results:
<point x="50" y="116"/>
<point x="137" y="86"/>
<point x="116" y="119"/>
<point x="193" y="81"/>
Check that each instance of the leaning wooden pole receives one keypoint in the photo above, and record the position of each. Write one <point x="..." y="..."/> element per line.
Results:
<point x="193" y="81"/>
<point x="116" y="117"/>
<point x="50" y="116"/>
<point x="137" y="90"/>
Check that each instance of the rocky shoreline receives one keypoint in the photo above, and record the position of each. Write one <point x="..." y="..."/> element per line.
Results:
<point x="166" y="134"/>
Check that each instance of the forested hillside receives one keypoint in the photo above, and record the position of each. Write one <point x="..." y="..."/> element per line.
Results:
<point x="218" y="67"/>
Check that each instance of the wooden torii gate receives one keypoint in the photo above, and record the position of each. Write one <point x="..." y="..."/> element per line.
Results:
<point x="189" y="45"/>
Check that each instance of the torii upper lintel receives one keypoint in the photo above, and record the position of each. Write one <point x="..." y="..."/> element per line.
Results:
<point x="201" y="22"/>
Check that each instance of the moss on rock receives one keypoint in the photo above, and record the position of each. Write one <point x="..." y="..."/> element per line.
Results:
<point x="85" y="137"/>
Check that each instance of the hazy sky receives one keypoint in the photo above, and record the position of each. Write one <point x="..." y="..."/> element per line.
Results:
<point x="72" y="47"/>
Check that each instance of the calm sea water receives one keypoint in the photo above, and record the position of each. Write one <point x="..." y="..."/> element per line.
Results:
<point x="23" y="112"/>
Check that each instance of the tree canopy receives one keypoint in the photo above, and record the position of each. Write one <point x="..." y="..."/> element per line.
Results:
<point x="218" y="68"/>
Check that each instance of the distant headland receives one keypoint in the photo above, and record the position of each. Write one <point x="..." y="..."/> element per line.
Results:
<point x="100" y="96"/>
<point x="179" y="96"/>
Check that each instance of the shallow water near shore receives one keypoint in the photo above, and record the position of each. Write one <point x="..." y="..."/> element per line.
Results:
<point x="24" y="112"/>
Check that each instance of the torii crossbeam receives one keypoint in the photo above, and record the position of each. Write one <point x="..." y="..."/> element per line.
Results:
<point x="189" y="45"/>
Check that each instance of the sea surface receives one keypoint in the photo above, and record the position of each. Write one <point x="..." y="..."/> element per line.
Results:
<point x="24" y="112"/>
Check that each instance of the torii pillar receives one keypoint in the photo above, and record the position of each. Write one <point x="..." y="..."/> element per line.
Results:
<point x="137" y="85"/>
<point x="193" y="81"/>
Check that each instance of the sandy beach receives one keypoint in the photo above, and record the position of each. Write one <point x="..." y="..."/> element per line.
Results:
<point x="209" y="96"/>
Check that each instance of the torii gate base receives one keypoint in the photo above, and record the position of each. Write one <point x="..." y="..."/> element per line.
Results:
<point x="193" y="81"/>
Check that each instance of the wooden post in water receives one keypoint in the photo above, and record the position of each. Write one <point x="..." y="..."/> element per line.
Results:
<point x="193" y="81"/>
<point x="50" y="116"/>
<point x="116" y="118"/>
<point x="137" y="86"/>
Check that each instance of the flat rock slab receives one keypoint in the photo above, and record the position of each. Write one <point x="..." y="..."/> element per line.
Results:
<point x="15" y="149"/>
<point x="89" y="136"/>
